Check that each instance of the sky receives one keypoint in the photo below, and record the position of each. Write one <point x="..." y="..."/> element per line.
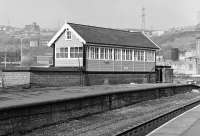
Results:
<point x="160" y="14"/>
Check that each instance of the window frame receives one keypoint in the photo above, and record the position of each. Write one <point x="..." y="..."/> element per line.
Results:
<point x="110" y="54"/>
<point x="96" y="53"/>
<point x="76" y="53"/>
<point x="150" y="56"/>
<point x="106" y="57"/>
<point x="139" y="55"/>
<point x="68" y="34"/>
<point x="102" y="54"/>
<point x="62" y="51"/>
<point x="117" y="54"/>
<point x="129" y="53"/>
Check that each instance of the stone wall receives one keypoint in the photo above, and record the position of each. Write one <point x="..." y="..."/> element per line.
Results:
<point x="18" y="120"/>
<point x="15" y="78"/>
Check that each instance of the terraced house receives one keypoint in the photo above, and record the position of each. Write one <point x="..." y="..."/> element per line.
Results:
<point x="103" y="54"/>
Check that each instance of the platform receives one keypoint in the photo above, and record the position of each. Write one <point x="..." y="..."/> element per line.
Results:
<point x="24" y="110"/>
<point x="186" y="124"/>
<point x="17" y="97"/>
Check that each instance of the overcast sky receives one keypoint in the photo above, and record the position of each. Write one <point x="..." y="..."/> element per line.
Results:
<point x="160" y="14"/>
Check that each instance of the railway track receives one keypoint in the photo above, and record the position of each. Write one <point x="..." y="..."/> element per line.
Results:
<point x="147" y="127"/>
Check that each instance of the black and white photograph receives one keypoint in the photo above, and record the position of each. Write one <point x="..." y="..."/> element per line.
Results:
<point x="99" y="68"/>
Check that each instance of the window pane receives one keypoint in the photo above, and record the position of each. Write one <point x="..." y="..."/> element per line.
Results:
<point x="80" y="49"/>
<point x="130" y="54"/>
<point x="96" y="53"/>
<point x="72" y="49"/>
<point x="66" y="49"/>
<point x="115" y="54"/>
<point x="76" y="52"/>
<point x="106" y="53"/>
<point x="154" y="54"/>
<point x="101" y="53"/>
<point x="92" y="52"/>
<point x="127" y="54"/>
<point x="57" y="55"/>
<point x="76" y="49"/>
<point x="62" y="55"/>
<point x="142" y="55"/>
<point x="81" y="52"/>
<point x="72" y="52"/>
<point x="66" y="55"/>
<point x="72" y="55"/>
<point x="146" y="55"/>
<point x="136" y="55"/>
<point x="87" y="53"/>
<point x="123" y="54"/>
<point x="76" y="55"/>
<point x="119" y="54"/>
<point x="110" y="54"/>
<point x="68" y="34"/>
<point x="62" y="49"/>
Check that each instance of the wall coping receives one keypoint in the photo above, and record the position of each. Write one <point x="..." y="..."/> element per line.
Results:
<point x="43" y="69"/>
<point x="69" y="69"/>
<point x="16" y="69"/>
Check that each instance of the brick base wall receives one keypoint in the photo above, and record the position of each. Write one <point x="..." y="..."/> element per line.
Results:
<point x="75" y="78"/>
<point x="42" y="78"/>
<point x="15" y="78"/>
<point x="99" y="79"/>
<point x="19" y="120"/>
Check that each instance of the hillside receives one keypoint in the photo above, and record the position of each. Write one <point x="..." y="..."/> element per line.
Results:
<point x="182" y="40"/>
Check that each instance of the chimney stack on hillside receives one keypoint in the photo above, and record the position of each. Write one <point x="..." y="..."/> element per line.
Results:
<point x="198" y="47"/>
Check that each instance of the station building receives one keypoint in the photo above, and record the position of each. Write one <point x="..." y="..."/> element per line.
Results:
<point x="103" y="55"/>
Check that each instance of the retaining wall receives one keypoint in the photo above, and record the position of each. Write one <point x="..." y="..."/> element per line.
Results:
<point x="21" y="119"/>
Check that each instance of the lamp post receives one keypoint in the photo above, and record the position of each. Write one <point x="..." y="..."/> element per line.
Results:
<point x="5" y="58"/>
<point x="21" y="37"/>
<point x="21" y="49"/>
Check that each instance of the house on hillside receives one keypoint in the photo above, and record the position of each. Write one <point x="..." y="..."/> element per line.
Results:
<point x="104" y="54"/>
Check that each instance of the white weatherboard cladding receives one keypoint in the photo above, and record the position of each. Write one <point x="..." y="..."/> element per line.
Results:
<point x="68" y="62"/>
<point x="64" y="27"/>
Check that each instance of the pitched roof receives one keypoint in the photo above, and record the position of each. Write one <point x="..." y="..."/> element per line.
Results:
<point x="99" y="35"/>
<point x="108" y="36"/>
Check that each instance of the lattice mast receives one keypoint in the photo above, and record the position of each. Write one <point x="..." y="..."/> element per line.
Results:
<point x="143" y="16"/>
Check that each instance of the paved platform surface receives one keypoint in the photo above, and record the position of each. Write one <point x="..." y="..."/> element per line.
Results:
<point x="14" y="97"/>
<point x="186" y="124"/>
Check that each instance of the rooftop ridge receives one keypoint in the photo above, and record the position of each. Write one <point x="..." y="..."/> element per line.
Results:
<point x="106" y="28"/>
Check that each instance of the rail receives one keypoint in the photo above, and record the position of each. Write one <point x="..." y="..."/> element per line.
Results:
<point x="145" y="128"/>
